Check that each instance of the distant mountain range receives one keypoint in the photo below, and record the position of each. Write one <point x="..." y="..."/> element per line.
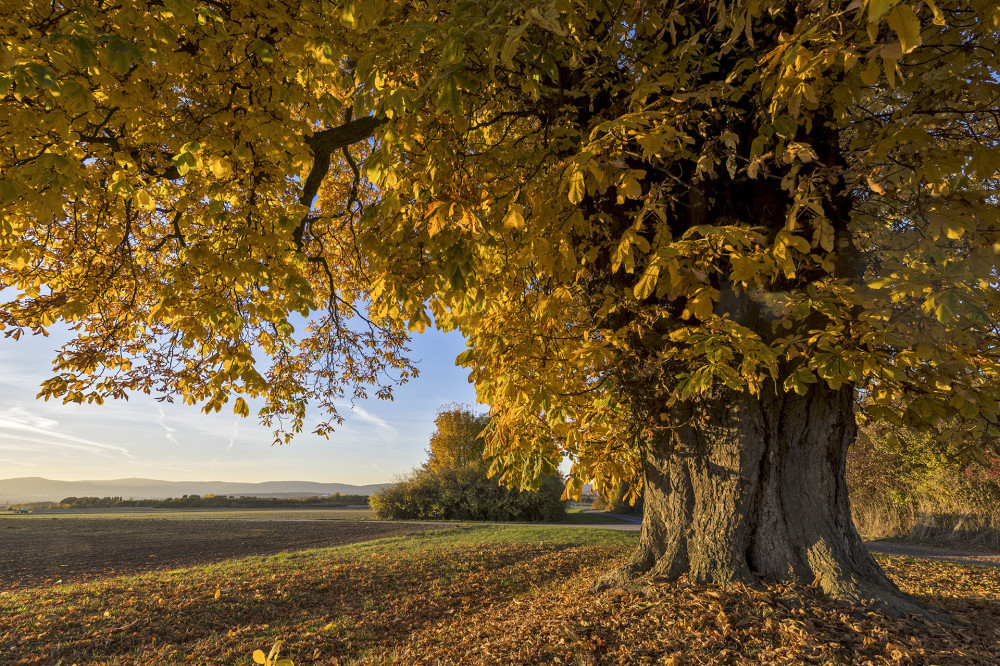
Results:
<point x="36" y="489"/>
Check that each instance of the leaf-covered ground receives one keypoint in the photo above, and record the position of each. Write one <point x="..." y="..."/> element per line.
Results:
<point x="480" y="595"/>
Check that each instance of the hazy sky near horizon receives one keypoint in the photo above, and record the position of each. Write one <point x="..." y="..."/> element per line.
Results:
<point x="143" y="438"/>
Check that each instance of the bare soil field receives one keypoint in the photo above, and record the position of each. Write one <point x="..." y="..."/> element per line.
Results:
<point x="254" y="513"/>
<point x="45" y="551"/>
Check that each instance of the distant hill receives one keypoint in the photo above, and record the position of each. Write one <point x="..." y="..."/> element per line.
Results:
<point x="33" y="489"/>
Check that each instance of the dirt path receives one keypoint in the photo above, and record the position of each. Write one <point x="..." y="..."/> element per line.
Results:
<point x="943" y="554"/>
<point x="935" y="553"/>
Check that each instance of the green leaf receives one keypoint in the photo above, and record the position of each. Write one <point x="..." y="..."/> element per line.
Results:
<point x="120" y="55"/>
<point x="969" y="410"/>
<point x="184" y="162"/>
<point x="263" y="50"/>
<point x="985" y="163"/>
<point x="947" y="306"/>
<point x="456" y="279"/>
<point x="43" y="77"/>
<point x="8" y="191"/>
<point x="448" y="99"/>
<point x="729" y="376"/>
<point x="785" y="127"/>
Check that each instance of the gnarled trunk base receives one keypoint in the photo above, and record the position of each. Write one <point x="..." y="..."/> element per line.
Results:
<point x="743" y="489"/>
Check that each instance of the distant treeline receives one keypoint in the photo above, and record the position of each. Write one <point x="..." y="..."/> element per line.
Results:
<point x="211" y="502"/>
<point x="30" y="506"/>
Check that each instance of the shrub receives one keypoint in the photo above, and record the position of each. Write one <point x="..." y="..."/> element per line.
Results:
<point x="466" y="493"/>
<point x="903" y="483"/>
<point x="617" y="501"/>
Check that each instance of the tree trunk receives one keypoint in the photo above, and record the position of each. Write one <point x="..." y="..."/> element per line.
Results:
<point x="744" y="489"/>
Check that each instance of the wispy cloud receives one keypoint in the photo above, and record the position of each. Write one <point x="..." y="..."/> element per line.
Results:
<point x="233" y="434"/>
<point x="17" y="423"/>
<point x="162" y="421"/>
<point x="363" y="414"/>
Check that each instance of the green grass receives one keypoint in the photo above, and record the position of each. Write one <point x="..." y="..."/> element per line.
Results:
<point x="557" y="536"/>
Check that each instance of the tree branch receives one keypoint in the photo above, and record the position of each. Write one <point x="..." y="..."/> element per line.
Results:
<point x="324" y="143"/>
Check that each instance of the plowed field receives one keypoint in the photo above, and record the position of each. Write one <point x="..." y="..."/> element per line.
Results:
<point x="41" y="551"/>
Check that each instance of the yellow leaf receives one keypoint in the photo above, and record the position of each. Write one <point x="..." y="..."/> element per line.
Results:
<point x="437" y="220"/>
<point x="515" y="217"/>
<point x="240" y="408"/>
<point x="798" y="242"/>
<point x="907" y="27"/>
<point x="809" y="93"/>
<point x="647" y="283"/>
<point x="890" y="56"/>
<point x="143" y="199"/>
<point x="824" y="235"/>
<point x="878" y="8"/>
<point x="701" y="304"/>
<point x="938" y="14"/>
<point x="780" y="251"/>
<point x="221" y="168"/>
<point x="259" y="657"/>
<point x="577" y="187"/>
<point x="630" y="188"/>
<point x="870" y="74"/>
<point x="874" y="185"/>
<point x="218" y="593"/>
<point x="347" y="18"/>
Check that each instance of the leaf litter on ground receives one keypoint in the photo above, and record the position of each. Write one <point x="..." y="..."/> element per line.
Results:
<point x="492" y="595"/>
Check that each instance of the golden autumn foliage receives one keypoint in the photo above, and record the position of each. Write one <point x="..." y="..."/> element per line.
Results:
<point x="457" y="438"/>
<point x="635" y="213"/>
<point x="155" y="158"/>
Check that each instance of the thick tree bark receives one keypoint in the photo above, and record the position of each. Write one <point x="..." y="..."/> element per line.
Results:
<point x="745" y="489"/>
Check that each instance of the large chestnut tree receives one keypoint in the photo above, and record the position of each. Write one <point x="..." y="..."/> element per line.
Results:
<point x="684" y="239"/>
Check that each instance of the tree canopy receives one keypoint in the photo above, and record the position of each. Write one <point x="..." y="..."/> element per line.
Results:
<point x="453" y="483"/>
<point x="457" y="440"/>
<point x="628" y="209"/>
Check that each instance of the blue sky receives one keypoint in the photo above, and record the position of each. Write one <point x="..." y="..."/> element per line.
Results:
<point x="143" y="438"/>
